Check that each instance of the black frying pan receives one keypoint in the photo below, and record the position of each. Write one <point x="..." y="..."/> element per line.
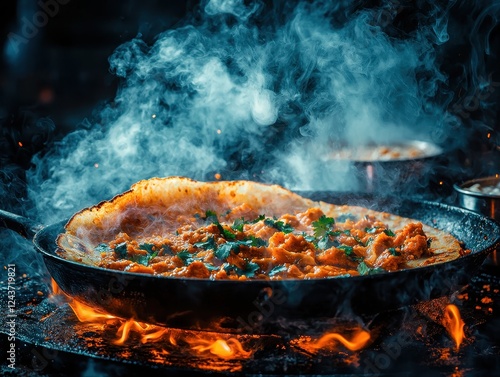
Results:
<point x="262" y="306"/>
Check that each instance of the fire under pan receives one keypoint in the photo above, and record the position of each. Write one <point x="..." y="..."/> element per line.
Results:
<point x="51" y="341"/>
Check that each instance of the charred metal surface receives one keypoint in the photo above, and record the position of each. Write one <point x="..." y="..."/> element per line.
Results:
<point x="51" y="340"/>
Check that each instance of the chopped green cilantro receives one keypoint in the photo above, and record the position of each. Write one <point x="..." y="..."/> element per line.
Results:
<point x="209" y="244"/>
<point x="359" y="241"/>
<point x="280" y="225"/>
<point x="147" y="247"/>
<point x="211" y="216"/>
<point x="224" y="250"/>
<point x="249" y="270"/>
<point x="389" y="232"/>
<point x="327" y="242"/>
<point x="141" y="259"/>
<point x="211" y="267"/>
<point x="394" y="252"/>
<point x="259" y="218"/>
<point x="323" y="225"/>
<point x="363" y="269"/>
<point x="238" y="224"/>
<point x="349" y="252"/>
<point x="277" y="269"/>
<point x="121" y="250"/>
<point x="185" y="256"/>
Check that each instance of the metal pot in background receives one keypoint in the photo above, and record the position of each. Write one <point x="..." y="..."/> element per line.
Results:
<point x="473" y="195"/>
<point x="398" y="167"/>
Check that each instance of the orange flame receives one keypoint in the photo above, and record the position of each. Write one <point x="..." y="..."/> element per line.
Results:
<point x="54" y="287"/>
<point x="210" y="344"/>
<point x="454" y="324"/>
<point x="85" y="313"/>
<point x="225" y="349"/>
<point x="359" y="340"/>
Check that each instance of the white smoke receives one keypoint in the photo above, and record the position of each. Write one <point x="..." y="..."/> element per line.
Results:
<point x="250" y="100"/>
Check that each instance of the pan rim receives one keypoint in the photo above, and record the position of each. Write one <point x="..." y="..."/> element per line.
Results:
<point x="492" y="245"/>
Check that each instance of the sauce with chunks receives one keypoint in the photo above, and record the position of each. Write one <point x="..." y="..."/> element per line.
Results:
<point x="242" y="244"/>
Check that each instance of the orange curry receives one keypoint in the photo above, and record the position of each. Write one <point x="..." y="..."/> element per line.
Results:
<point x="303" y="246"/>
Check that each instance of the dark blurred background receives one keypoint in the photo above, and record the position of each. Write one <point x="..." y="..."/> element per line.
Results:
<point x="54" y="76"/>
<point x="54" y="71"/>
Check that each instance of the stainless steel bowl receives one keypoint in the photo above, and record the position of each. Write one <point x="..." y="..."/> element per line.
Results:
<point x="478" y="201"/>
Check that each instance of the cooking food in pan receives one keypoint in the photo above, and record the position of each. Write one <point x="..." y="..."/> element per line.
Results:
<point x="397" y="151"/>
<point x="246" y="230"/>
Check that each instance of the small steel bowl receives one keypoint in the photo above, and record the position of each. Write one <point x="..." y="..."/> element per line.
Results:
<point x="484" y="203"/>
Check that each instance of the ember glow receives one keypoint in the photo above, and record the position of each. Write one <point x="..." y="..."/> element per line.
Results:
<point x="206" y="344"/>
<point x="225" y="349"/>
<point x="202" y="344"/>
<point x="454" y="324"/>
<point x="331" y="340"/>
<point x="85" y="313"/>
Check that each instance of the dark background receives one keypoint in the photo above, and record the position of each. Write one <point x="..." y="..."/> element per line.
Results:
<point x="62" y="75"/>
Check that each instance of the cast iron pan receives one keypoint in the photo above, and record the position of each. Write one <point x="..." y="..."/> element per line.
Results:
<point x="264" y="306"/>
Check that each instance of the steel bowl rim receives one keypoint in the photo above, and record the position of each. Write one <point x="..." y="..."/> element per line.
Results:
<point x="462" y="190"/>
<point x="422" y="145"/>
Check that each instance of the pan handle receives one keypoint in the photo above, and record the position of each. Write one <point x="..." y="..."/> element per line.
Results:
<point x="22" y="225"/>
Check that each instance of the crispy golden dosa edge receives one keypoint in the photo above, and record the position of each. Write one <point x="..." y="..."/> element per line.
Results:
<point x="182" y="195"/>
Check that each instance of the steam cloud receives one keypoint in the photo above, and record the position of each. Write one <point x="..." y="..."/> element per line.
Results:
<point x="256" y="91"/>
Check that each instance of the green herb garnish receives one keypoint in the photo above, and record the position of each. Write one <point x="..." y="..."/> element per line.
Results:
<point x="394" y="252"/>
<point x="322" y="226"/>
<point x="277" y="269"/>
<point x="389" y="232"/>
<point x="349" y="252"/>
<point x="363" y="269"/>
<point x="280" y="225"/>
<point x="147" y="247"/>
<point x="223" y="251"/>
<point x="209" y="244"/>
<point x="185" y="256"/>
<point x="121" y="249"/>
<point x="249" y="270"/>
<point x="259" y="218"/>
<point x="327" y="242"/>
<point x="238" y="224"/>
<point x="211" y="267"/>
<point x="211" y="216"/>
<point x="141" y="259"/>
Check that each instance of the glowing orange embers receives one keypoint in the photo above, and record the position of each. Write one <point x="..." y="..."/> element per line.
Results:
<point x="225" y="349"/>
<point x="331" y="340"/>
<point x="203" y="344"/>
<point x="454" y="324"/>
